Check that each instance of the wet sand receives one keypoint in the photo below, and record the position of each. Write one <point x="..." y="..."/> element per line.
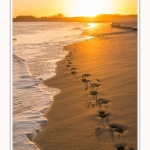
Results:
<point x="111" y="62"/>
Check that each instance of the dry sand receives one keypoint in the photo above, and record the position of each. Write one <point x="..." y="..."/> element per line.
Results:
<point x="73" y="117"/>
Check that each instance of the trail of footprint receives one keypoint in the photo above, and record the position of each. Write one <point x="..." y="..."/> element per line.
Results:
<point x="102" y="114"/>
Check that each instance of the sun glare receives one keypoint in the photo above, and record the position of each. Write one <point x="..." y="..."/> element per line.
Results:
<point x="91" y="25"/>
<point x="90" y="7"/>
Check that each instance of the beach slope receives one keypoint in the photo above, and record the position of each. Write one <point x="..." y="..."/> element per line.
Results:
<point x="106" y="64"/>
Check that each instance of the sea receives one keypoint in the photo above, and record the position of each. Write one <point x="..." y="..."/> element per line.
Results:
<point x="37" y="46"/>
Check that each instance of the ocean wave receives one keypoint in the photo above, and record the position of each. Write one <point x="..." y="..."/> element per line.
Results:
<point x="40" y="52"/>
<point x="17" y="58"/>
<point x="77" y="28"/>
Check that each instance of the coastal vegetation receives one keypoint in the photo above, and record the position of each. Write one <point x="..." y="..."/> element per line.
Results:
<point x="61" y="18"/>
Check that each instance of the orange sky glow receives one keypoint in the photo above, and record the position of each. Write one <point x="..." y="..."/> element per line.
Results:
<point x="41" y="8"/>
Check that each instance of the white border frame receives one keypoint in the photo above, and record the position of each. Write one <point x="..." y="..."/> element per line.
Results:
<point x="144" y="73"/>
<point x="5" y="75"/>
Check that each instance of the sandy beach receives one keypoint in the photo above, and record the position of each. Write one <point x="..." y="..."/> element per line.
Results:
<point x="106" y="64"/>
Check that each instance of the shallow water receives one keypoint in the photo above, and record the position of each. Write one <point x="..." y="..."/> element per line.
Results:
<point x="37" y="46"/>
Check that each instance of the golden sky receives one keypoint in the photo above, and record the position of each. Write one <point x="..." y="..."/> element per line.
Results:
<point x="40" y="8"/>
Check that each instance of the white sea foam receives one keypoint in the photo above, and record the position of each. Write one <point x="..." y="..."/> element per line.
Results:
<point x="37" y="46"/>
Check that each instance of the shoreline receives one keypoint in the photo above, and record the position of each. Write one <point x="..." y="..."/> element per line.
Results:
<point x="61" y="129"/>
<point x="37" y="68"/>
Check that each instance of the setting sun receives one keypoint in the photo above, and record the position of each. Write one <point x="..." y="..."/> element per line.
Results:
<point x="73" y="7"/>
<point x="90" y="8"/>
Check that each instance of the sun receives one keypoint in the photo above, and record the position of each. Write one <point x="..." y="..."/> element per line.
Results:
<point x="90" y="7"/>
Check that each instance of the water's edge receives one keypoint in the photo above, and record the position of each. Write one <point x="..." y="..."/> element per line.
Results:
<point x="50" y="91"/>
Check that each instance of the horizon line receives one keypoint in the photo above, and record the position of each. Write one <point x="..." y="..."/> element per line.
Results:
<point x="76" y="16"/>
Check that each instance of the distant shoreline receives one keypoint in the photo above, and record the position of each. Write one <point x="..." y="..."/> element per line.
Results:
<point x="59" y="21"/>
<point x="64" y="21"/>
<point x="58" y="18"/>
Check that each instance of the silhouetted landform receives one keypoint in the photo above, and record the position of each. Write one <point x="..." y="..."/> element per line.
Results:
<point x="61" y="18"/>
<point x="118" y="25"/>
